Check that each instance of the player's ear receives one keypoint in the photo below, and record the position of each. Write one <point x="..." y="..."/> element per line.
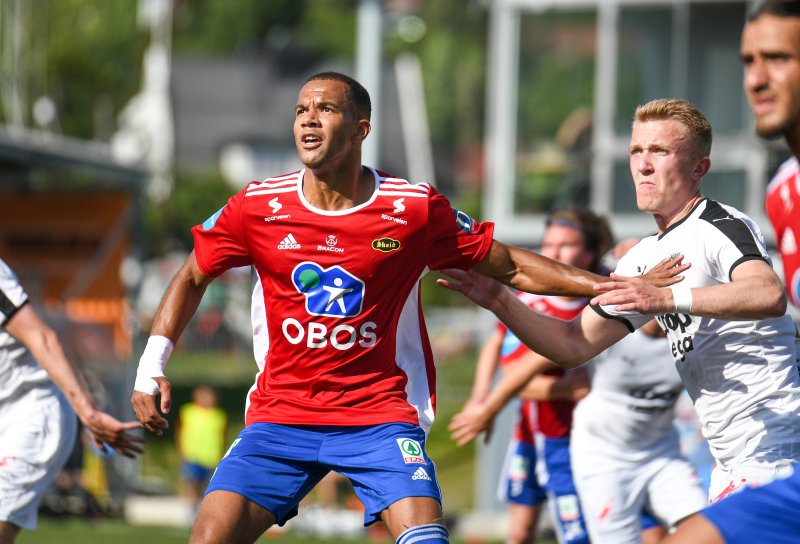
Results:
<point x="361" y="130"/>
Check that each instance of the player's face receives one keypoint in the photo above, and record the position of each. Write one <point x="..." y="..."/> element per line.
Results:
<point x="666" y="171"/>
<point x="770" y="51"/>
<point x="326" y="129"/>
<point x="566" y="245"/>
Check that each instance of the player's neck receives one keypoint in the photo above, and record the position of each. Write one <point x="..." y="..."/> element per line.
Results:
<point x="665" y="221"/>
<point x="793" y="139"/>
<point x="341" y="189"/>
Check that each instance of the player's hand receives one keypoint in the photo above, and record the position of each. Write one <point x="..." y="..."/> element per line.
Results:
<point x="634" y="295"/>
<point x="482" y="290"/>
<point x="110" y="433"/>
<point x="469" y="423"/>
<point x="667" y="272"/>
<point x="144" y="406"/>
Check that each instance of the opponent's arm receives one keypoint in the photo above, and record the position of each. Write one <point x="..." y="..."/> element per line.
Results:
<point x="486" y="367"/>
<point x="177" y="307"/>
<point x="528" y="271"/>
<point x="566" y="343"/>
<point x="27" y="327"/>
<point x="755" y="292"/>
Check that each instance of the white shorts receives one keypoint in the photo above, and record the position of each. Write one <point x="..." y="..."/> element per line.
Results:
<point x="36" y="438"/>
<point x="613" y="500"/>
<point x="752" y="473"/>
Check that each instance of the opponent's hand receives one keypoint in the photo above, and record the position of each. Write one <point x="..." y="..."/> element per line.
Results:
<point x="635" y="295"/>
<point x="667" y="272"/>
<point x="144" y="406"/>
<point x="108" y="432"/>
<point x="482" y="290"/>
<point x="469" y="423"/>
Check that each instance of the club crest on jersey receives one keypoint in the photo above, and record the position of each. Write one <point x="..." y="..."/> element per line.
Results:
<point x="209" y="223"/>
<point x="411" y="450"/>
<point x="386" y="244"/>
<point x="465" y="222"/>
<point x="332" y="292"/>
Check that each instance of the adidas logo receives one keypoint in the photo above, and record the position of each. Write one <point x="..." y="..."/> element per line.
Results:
<point x="289" y="242"/>
<point x="420" y="474"/>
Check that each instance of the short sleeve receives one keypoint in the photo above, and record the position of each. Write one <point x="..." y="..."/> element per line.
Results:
<point x="453" y="239"/>
<point x="219" y="242"/>
<point x="12" y="295"/>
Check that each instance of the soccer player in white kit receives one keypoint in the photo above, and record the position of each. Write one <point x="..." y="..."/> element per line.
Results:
<point x="729" y="334"/>
<point x="38" y="424"/>
<point x="625" y="449"/>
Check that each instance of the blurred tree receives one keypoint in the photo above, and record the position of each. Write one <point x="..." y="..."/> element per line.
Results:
<point x="93" y="52"/>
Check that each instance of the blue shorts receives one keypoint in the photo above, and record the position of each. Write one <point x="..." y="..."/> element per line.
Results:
<point x="567" y="513"/>
<point x="770" y="513"/>
<point x="275" y="466"/>
<point x="518" y="483"/>
<point x="195" y="473"/>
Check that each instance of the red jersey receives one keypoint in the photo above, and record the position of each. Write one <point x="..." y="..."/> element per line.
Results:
<point x="553" y="418"/>
<point x="783" y="210"/>
<point x="338" y="300"/>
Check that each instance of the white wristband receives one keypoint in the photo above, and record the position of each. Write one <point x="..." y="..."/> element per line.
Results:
<point x="682" y="296"/>
<point x="152" y="363"/>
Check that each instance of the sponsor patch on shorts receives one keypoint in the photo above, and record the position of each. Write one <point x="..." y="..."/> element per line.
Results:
<point x="411" y="450"/>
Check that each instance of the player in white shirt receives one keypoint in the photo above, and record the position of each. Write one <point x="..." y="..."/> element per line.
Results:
<point x="38" y="425"/>
<point x="626" y="454"/>
<point x="728" y="331"/>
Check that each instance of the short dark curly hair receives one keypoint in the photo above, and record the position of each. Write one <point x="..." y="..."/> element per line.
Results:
<point x="356" y="93"/>
<point x="778" y="8"/>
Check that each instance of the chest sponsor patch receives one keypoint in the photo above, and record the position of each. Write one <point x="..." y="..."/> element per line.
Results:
<point x="332" y="292"/>
<point x="386" y="245"/>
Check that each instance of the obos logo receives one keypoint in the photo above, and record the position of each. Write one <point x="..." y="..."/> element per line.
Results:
<point x="465" y="222"/>
<point x="333" y="292"/>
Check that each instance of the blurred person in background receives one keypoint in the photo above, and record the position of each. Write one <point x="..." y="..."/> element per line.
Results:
<point x="40" y="394"/>
<point x="632" y="480"/>
<point x="730" y="337"/>
<point x="770" y="52"/>
<point x="200" y="439"/>
<point x="576" y="237"/>
<point x="348" y="382"/>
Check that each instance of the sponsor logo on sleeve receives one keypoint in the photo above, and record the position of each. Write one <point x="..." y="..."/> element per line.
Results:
<point x="209" y="223"/>
<point x="464" y="222"/>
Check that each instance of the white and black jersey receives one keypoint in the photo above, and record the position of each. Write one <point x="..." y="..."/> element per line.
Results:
<point x="741" y="375"/>
<point x="625" y="449"/>
<point x="18" y="368"/>
<point x="630" y="409"/>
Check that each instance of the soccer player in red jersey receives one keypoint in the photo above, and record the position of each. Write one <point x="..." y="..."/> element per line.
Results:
<point x="770" y="51"/>
<point x="348" y="382"/>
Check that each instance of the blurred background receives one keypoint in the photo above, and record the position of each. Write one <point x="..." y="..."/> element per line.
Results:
<point x="123" y="123"/>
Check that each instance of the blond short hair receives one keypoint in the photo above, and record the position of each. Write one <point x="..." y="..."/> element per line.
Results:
<point x="664" y="109"/>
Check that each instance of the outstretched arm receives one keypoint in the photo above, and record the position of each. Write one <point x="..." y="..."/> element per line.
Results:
<point x="43" y="343"/>
<point x="177" y="307"/>
<point x="566" y="343"/>
<point x="755" y="292"/>
<point x="528" y="271"/>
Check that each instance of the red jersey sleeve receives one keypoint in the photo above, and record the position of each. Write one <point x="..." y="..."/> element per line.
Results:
<point x="219" y="242"/>
<point x="453" y="239"/>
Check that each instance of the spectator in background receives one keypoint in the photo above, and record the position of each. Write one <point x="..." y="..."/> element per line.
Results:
<point x="200" y="437"/>
<point x="40" y="394"/>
